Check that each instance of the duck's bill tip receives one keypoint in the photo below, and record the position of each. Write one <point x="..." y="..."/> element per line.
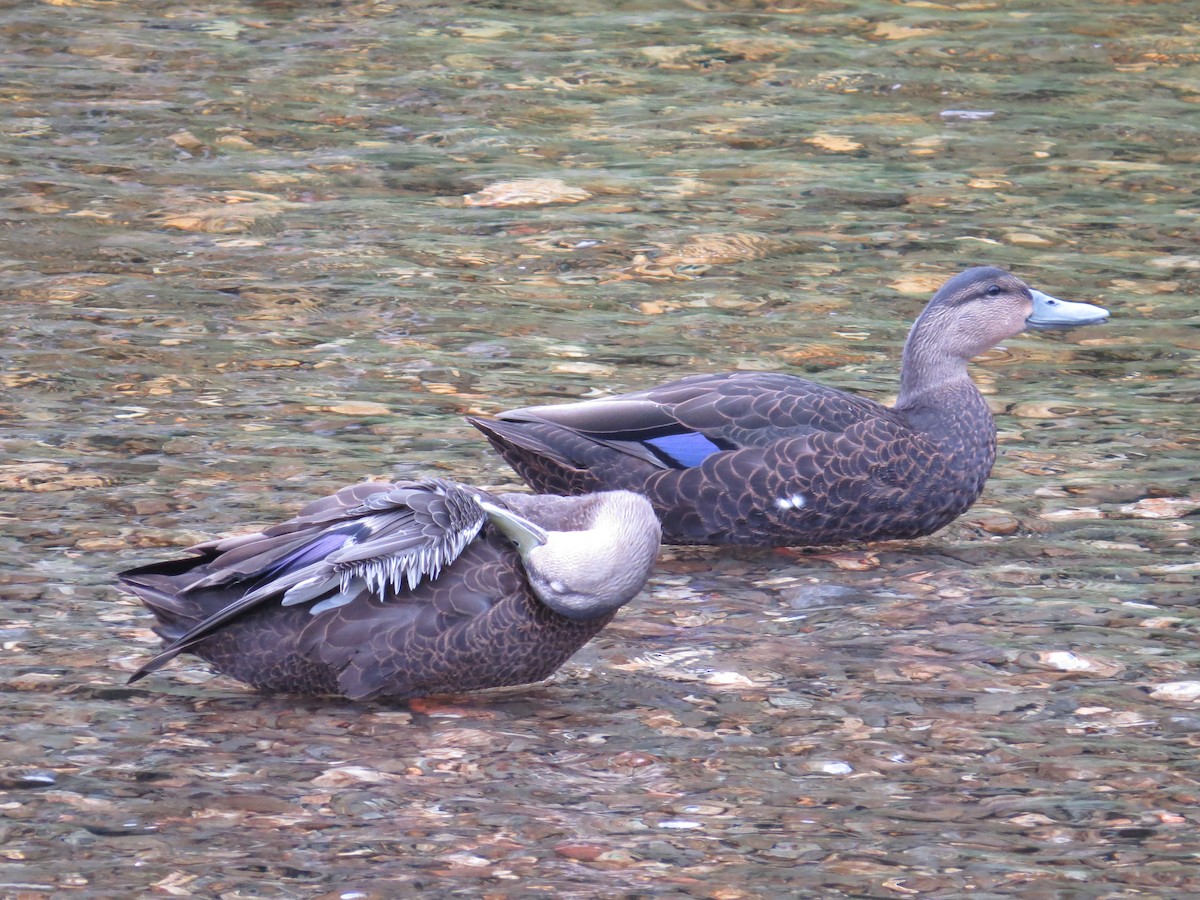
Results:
<point x="517" y="529"/>
<point x="1050" y="312"/>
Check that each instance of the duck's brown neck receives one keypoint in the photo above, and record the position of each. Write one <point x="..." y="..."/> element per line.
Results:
<point x="932" y="376"/>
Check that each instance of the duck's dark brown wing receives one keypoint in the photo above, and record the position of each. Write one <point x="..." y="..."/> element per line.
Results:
<point x="373" y="644"/>
<point x="367" y="540"/>
<point x="677" y="425"/>
<point x="621" y="441"/>
<point x="741" y="409"/>
<point x="476" y="626"/>
<point x="871" y="481"/>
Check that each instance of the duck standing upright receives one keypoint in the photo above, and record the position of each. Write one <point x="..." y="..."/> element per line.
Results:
<point x="776" y="460"/>
<point x="401" y="590"/>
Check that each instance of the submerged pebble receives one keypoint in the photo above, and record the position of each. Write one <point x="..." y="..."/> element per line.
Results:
<point x="16" y="779"/>
<point x="1177" y="691"/>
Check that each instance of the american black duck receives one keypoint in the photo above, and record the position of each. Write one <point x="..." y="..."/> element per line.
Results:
<point x="770" y="459"/>
<point x="401" y="590"/>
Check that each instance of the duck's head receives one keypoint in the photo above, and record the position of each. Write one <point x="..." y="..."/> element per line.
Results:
<point x="980" y="307"/>
<point x="598" y="561"/>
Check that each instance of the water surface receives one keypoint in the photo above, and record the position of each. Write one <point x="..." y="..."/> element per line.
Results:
<point x="239" y="271"/>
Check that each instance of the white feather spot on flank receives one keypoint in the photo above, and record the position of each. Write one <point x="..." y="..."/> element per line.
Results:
<point x="796" y="501"/>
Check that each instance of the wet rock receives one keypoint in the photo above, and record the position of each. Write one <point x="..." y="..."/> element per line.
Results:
<point x="122" y="828"/>
<point x="830" y="767"/>
<point x="633" y="759"/>
<point x="185" y="140"/>
<point x="356" y="408"/>
<point x="581" y="851"/>
<point x="17" y="779"/>
<point x="834" y="143"/>
<point x="1070" y="662"/>
<point x="729" y="680"/>
<point x="1029" y="239"/>
<point x="487" y="350"/>
<point x="1162" y="507"/>
<point x="41" y="477"/>
<point x="815" y="595"/>
<point x="998" y="523"/>
<point x="1177" y="691"/>
<point x="151" y="506"/>
<point x="527" y="192"/>
<point x="344" y="776"/>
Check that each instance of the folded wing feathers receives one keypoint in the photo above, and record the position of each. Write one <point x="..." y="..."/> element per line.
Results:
<point x="428" y="526"/>
<point x="373" y="537"/>
<point x="404" y="536"/>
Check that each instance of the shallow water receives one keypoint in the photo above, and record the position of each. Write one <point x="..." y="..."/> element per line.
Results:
<point x="239" y="272"/>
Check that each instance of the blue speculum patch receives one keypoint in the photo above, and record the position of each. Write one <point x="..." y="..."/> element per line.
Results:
<point x="684" y="450"/>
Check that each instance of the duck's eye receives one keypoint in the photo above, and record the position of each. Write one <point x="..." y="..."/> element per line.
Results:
<point x="994" y="290"/>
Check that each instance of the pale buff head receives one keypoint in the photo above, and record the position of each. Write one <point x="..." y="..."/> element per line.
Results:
<point x="598" y="561"/>
<point x="970" y="314"/>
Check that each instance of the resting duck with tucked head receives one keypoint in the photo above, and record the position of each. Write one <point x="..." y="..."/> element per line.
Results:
<point x="771" y="459"/>
<point x="401" y="590"/>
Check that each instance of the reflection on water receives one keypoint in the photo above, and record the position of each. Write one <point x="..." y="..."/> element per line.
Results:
<point x="239" y="272"/>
